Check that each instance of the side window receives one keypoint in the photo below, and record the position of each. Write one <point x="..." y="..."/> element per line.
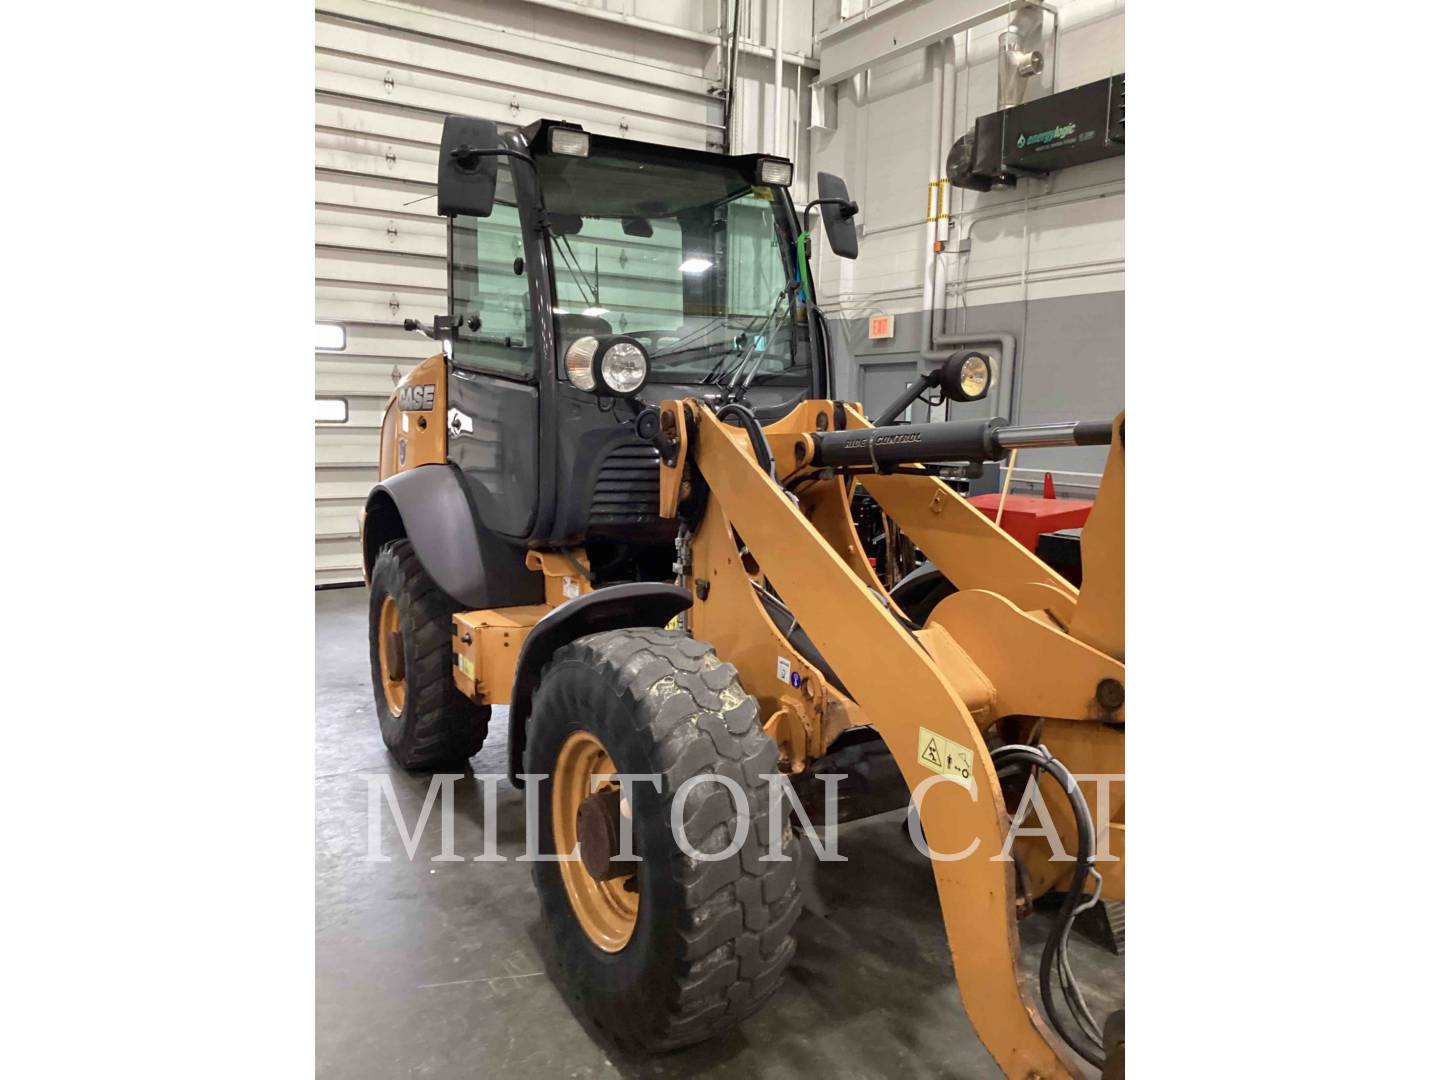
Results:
<point x="755" y="265"/>
<point x="485" y="256"/>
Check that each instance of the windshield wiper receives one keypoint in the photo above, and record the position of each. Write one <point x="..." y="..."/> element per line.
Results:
<point x="567" y="253"/>
<point x="755" y="349"/>
<point x="680" y="354"/>
<point x="677" y="348"/>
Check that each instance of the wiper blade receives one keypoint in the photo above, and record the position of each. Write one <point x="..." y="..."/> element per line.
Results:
<point x="755" y="349"/>
<point x="699" y="331"/>
<point x="567" y="253"/>
<point x="715" y="375"/>
<point x="671" y="354"/>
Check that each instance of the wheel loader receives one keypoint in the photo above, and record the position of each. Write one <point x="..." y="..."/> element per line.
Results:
<point x="618" y="500"/>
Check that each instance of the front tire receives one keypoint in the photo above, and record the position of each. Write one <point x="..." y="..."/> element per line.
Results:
<point x="682" y="948"/>
<point x="425" y="721"/>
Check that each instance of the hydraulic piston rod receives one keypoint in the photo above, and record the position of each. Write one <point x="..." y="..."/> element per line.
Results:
<point x="954" y="440"/>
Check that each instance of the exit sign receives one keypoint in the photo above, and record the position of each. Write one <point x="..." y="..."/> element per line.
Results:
<point x="882" y="326"/>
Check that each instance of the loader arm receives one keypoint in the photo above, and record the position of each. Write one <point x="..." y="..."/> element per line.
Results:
<point x="902" y="681"/>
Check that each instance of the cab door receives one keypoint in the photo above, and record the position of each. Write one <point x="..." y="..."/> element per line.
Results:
<point x="493" y="415"/>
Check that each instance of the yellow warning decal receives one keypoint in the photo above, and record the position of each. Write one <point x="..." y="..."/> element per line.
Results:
<point x="947" y="757"/>
<point x="467" y="666"/>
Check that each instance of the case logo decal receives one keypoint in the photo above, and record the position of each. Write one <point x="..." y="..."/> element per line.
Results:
<point x="417" y="398"/>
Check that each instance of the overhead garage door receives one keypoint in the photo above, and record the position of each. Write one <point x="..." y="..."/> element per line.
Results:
<point x="386" y="73"/>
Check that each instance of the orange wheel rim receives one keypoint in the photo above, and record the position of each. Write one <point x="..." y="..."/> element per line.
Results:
<point x="392" y="656"/>
<point x="606" y="910"/>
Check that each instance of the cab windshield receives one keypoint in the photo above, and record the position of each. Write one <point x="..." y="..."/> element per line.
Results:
<point x="691" y="259"/>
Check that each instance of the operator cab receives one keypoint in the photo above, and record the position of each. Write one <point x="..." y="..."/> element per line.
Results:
<point x="592" y="276"/>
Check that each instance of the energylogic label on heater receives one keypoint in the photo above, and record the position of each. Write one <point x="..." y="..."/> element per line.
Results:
<point x="1058" y="133"/>
<point x="945" y="756"/>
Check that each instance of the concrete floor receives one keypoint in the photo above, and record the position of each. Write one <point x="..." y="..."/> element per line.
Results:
<point x="439" y="969"/>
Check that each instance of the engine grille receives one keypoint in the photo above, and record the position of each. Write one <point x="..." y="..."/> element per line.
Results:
<point x="627" y="489"/>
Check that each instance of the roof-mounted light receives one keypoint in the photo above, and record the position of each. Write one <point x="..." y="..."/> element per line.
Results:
<point x="570" y="142"/>
<point x="774" y="171"/>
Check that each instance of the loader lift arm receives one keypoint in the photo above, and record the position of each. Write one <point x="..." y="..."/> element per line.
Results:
<point x="971" y="664"/>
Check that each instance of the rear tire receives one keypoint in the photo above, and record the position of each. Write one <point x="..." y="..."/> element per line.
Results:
<point x="425" y="721"/>
<point x="711" y="938"/>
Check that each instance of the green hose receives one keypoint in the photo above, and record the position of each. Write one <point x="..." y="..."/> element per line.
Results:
<point x="802" y="264"/>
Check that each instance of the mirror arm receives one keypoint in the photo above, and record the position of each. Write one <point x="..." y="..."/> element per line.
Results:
<point x="444" y="327"/>
<point x="848" y="209"/>
<point x="468" y="157"/>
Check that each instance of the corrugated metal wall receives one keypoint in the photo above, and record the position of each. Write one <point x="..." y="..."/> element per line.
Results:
<point x="386" y="73"/>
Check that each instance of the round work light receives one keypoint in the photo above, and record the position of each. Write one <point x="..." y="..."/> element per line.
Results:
<point x="623" y="367"/>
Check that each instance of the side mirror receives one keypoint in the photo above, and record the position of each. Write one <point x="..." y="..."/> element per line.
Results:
<point x="468" y="167"/>
<point x="839" y="219"/>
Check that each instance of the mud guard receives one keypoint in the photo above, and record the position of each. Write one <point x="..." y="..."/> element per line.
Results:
<point x="473" y="565"/>
<point x="640" y="603"/>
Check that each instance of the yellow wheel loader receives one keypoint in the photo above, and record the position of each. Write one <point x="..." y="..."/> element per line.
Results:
<point x="618" y="500"/>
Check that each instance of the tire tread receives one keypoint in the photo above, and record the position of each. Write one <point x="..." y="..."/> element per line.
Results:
<point x="737" y="912"/>
<point x="442" y="727"/>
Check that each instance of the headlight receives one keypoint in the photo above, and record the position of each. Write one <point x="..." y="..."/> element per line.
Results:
<point x="773" y="171"/>
<point x="624" y="367"/>
<point x="580" y="362"/>
<point x="966" y="378"/>
<point x="570" y="142"/>
<point x="975" y="375"/>
<point x="612" y="365"/>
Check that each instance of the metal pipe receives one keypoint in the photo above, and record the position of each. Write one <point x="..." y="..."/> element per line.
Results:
<point x="779" y="78"/>
<point x="1054" y="45"/>
<point x="927" y="294"/>
<point x="795" y="138"/>
<point x="730" y="63"/>
<point x="946" y="126"/>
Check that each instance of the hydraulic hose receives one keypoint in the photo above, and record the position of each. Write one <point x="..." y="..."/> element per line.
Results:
<point x="751" y="425"/>
<point x="1041" y="758"/>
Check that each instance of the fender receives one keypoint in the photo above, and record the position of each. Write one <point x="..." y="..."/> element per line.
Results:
<point x="470" y="563"/>
<point x="615" y="607"/>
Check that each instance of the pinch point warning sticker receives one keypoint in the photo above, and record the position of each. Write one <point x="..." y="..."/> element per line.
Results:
<point x="946" y="756"/>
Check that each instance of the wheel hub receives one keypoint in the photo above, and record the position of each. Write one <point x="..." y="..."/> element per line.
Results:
<point x="395" y="658"/>
<point x="598" y="826"/>
<point x="586" y="807"/>
<point x="390" y="644"/>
